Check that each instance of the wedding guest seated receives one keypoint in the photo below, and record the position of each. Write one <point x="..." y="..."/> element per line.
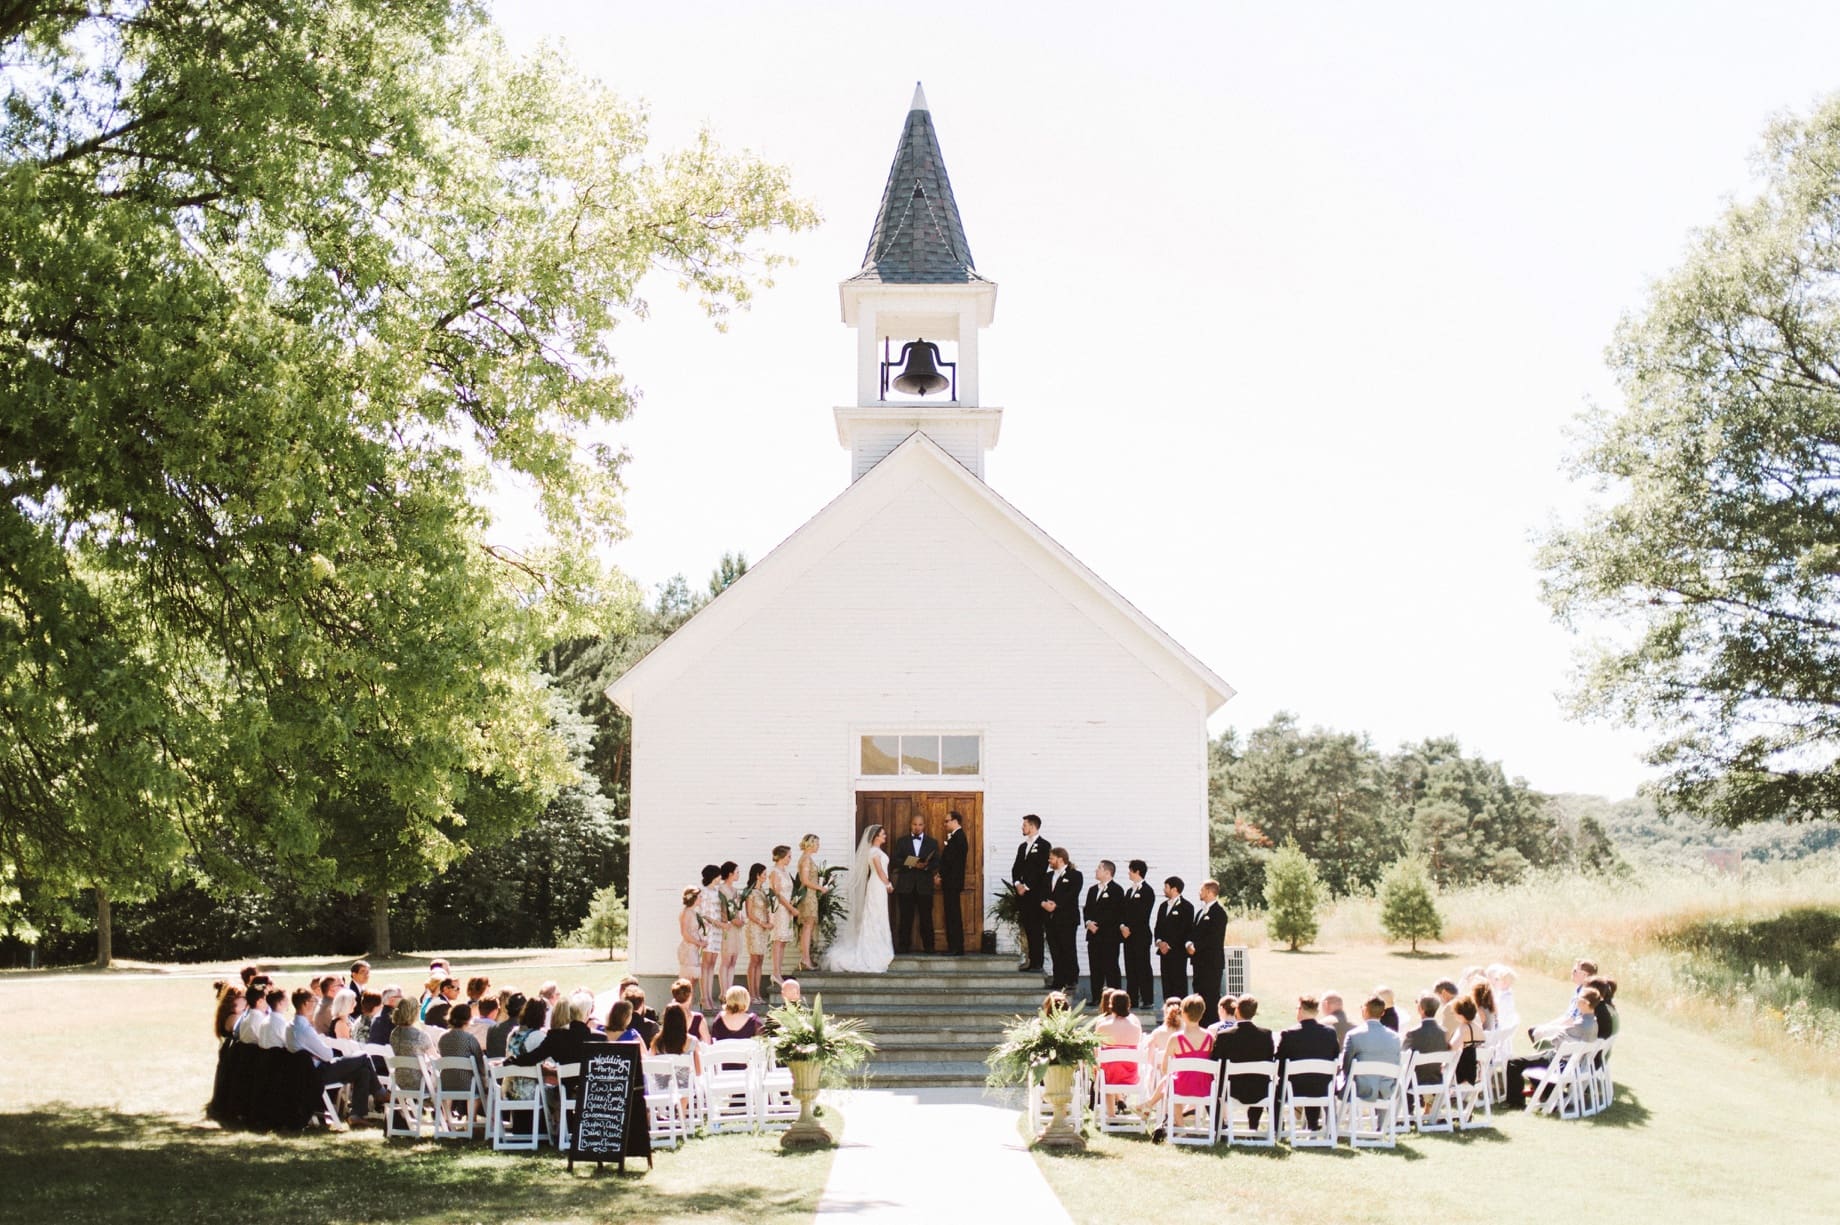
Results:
<point x="1569" y="1028"/>
<point x="1501" y="982"/>
<point x="436" y="1017"/>
<point x="431" y="995"/>
<point x="1229" y="1016"/>
<point x="1119" y="1029"/>
<point x="735" y="1021"/>
<point x="458" y="1042"/>
<point x="1484" y="1001"/>
<point x="1190" y="1040"/>
<point x="1054" y="1001"/>
<point x="1428" y="1037"/>
<point x="353" y="1070"/>
<point x="1446" y="991"/>
<point x="1605" y="1013"/>
<point x="643" y="1019"/>
<point x="370" y="1007"/>
<point x="510" y="1016"/>
<point x="325" y="991"/>
<point x="1465" y="1038"/>
<point x="343" y="1005"/>
<point x="581" y="1004"/>
<point x="549" y="993"/>
<point x="477" y="988"/>
<point x="408" y="1038"/>
<point x="620" y="1026"/>
<point x="485" y="1020"/>
<point x="790" y="992"/>
<point x="254" y="1018"/>
<point x="674" y="1037"/>
<point x="1335" y="1016"/>
<point x="1389" y="1018"/>
<point x="565" y="1042"/>
<point x="1372" y="1041"/>
<point x="1308" y="1039"/>
<point x="527" y="1035"/>
<point x="681" y="992"/>
<point x="1246" y="1043"/>
<point x="275" y="1025"/>
<point x="385" y="1020"/>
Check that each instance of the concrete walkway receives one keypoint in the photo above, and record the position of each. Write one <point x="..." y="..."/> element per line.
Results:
<point x="931" y="1155"/>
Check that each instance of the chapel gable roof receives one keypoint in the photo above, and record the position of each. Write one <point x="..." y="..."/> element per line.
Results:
<point x="918" y="237"/>
<point x="918" y="456"/>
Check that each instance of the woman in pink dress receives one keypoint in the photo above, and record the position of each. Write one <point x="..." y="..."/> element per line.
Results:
<point x="1119" y="1030"/>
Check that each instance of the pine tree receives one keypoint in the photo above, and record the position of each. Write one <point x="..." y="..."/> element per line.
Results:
<point x="605" y="926"/>
<point x="1408" y="911"/>
<point x="1293" y="894"/>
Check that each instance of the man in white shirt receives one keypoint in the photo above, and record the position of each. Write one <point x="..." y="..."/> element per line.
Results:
<point x="273" y="1035"/>
<point x="353" y="1070"/>
<point x="249" y="1027"/>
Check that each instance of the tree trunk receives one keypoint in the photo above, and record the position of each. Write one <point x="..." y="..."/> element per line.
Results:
<point x="105" y="929"/>
<point x="380" y="925"/>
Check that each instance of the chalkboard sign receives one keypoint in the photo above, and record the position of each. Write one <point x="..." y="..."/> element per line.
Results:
<point x="610" y="1085"/>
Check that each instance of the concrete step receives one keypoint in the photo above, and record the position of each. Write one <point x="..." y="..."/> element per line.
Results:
<point x="909" y="1074"/>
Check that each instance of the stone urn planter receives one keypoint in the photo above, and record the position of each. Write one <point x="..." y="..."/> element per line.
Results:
<point x="807" y="1132"/>
<point x="1057" y="1087"/>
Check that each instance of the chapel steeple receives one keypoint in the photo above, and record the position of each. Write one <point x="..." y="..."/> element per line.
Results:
<point x="918" y="304"/>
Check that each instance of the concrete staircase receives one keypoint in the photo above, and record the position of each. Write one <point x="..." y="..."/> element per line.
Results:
<point x="934" y="1018"/>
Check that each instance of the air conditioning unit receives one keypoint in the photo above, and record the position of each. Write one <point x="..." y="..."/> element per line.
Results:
<point x="1239" y="969"/>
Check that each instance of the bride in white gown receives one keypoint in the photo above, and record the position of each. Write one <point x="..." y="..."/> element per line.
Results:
<point x="865" y="944"/>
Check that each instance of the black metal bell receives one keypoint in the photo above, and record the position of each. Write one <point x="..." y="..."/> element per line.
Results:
<point x="920" y="376"/>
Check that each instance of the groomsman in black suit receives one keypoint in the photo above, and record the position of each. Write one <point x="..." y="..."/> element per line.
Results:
<point x="1029" y="873"/>
<point x="1311" y="1039"/>
<point x="1175" y="922"/>
<point x="1061" y="911"/>
<point x="913" y="884"/>
<point x="1206" y="942"/>
<point x="952" y="882"/>
<point x="1134" y="926"/>
<point x="1104" y="913"/>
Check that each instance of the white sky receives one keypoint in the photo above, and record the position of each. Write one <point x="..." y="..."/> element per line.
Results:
<point x="1297" y="303"/>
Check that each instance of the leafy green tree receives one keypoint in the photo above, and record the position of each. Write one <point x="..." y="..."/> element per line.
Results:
<point x="1293" y="895"/>
<point x="1716" y="548"/>
<point x="1408" y="908"/>
<point x="287" y="284"/>
<point x="605" y="925"/>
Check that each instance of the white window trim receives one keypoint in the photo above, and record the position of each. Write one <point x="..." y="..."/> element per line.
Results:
<point x="917" y="782"/>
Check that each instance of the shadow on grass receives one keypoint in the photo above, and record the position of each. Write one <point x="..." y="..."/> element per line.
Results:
<point x="1422" y="955"/>
<point x="1626" y="1111"/>
<point x="80" y="1164"/>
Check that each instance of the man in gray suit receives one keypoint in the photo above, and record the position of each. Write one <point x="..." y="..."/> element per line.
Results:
<point x="1335" y="1017"/>
<point x="1371" y="1041"/>
<point x="1428" y="1038"/>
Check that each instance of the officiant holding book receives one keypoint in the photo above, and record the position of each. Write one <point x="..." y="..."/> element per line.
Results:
<point x="915" y="858"/>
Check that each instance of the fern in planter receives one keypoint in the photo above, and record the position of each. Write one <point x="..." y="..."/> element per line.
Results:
<point x="1063" y="1038"/>
<point x="1006" y="910"/>
<point x="802" y="1034"/>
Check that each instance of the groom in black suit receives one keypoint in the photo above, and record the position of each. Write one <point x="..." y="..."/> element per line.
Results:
<point x="952" y="882"/>
<point x="914" y="858"/>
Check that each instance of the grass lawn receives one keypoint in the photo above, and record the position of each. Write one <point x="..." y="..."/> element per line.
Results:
<point x="1700" y="1130"/>
<point x="101" y="1119"/>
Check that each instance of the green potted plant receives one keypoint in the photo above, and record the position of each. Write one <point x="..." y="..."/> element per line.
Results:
<point x="1006" y="910"/>
<point x="816" y="1048"/>
<point x="1051" y="1045"/>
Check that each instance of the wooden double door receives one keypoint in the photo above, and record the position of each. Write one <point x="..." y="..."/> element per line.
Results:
<point x="892" y="810"/>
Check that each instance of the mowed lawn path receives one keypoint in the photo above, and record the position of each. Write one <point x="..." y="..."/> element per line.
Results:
<point x="101" y="1119"/>
<point x="1700" y="1131"/>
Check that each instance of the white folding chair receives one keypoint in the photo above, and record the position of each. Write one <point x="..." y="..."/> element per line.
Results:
<point x="1372" y="1122"/>
<point x="733" y="1092"/>
<point x="465" y="1096"/>
<point x="1606" y="1083"/>
<point x="1472" y="1105"/>
<point x="1118" y="1102"/>
<point x="1556" y="1087"/>
<point x="410" y="1103"/>
<point x="1296" y="1123"/>
<point x="667" y="1098"/>
<point x="779" y="1107"/>
<point x="1040" y="1113"/>
<point x="503" y="1110"/>
<point x="1492" y="1060"/>
<point x="1234" y="1113"/>
<point x="1428" y="1098"/>
<point x="565" y="1072"/>
<point x="1202" y="1101"/>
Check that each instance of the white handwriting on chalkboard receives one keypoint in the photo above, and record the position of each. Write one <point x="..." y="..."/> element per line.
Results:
<point x="606" y="1088"/>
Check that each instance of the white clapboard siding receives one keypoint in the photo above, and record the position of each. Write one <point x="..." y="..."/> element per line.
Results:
<point x="871" y="445"/>
<point x="915" y="606"/>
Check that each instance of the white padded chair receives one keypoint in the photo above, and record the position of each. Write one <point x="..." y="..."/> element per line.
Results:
<point x="779" y="1108"/>
<point x="1492" y="1060"/>
<point x="409" y="1106"/>
<point x="1203" y="1127"/>
<point x="1236" y="1116"/>
<point x="503" y="1110"/>
<point x="565" y="1105"/>
<point x="669" y="1098"/>
<point x="1372" y="1122"/>
<point x="1295" y="1121"/>
<point x="1117" y="1103"/>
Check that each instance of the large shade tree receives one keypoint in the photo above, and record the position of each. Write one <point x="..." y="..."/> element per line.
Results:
<point x="282" y="285"/>
<point x="1712" y="564"/>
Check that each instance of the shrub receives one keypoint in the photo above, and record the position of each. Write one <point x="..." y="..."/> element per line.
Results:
<point x="605" y="926"/>
<point x="1408" y="911"/>
<point x="1293" y="895"/>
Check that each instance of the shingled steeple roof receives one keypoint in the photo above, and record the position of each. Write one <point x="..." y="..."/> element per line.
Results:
<point x="918" y="238"/>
